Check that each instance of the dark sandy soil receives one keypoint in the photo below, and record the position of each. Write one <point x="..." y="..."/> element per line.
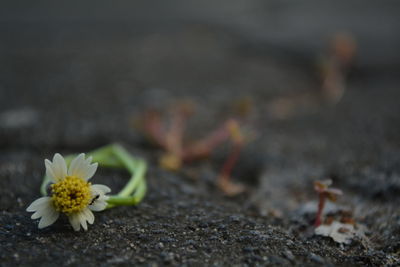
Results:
<point x="72" y="84"/>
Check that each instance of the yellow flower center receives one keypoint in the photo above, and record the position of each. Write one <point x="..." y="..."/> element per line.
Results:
<point x="71" y="194"/>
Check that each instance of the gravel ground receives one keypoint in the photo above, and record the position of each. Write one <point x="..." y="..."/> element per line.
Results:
<point x="73" y="83"/>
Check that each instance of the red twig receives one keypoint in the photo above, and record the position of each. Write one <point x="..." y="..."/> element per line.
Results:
<point x="204" y="147"/>
<point x="321" y="205"/>
<point x="324" y="192"/>
<point x="171" y="140"/>
<point x="153" y="127"/>
<point x="227" y="168"/>
<point x="174" y="136"/>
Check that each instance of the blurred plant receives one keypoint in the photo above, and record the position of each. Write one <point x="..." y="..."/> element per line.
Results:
<point x="324" y="192"/>
<point x="338" y="225"/>
<point x="336" y="65"/>
<point x="170" y="139"/>
<point x="333" y="68"/>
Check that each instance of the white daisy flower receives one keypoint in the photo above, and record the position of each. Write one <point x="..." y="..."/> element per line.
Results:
<point x="71" y="193"/>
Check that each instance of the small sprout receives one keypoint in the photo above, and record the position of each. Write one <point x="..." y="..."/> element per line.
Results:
<point x="324" y="192"/>
<point x="340" y="226"/>
<point x="170" y="139"/>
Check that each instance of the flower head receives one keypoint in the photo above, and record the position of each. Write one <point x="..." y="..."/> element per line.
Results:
<point x="71" y="193"/>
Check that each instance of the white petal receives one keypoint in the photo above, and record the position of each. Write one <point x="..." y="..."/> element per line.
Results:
<point x="41" y="206"/>
<point x="90" y="171"/>
<point x="98" y="205"/>
<point x="35" y="205"/>
<point x="43" y="210"/>
<point x="49" y="170"/>
<point x="57" y="169"/>
<point x="89" y="215"/>
<point x="76" y="163"/>
<point x="59" y="166"/>
<point x="82" y="219"/>
<point x="36" y="215"/>
<point x="48" y="219"/>
<point x="100" y="189"/>
<point x="101" y="202"/>
<point x="82" y="168"/>
<point x="74" y="221"/>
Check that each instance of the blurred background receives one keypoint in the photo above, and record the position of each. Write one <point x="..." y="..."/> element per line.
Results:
<point x="98" y="57"/>
<point x="314" y="84"/>
<point x="308" y="78"/>
<point x="76" y="75"/>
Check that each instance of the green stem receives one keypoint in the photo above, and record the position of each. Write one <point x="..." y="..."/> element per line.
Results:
<point x="125" y="158"/>
<point x="106" y="157"/>
<point x="115" y="156"/>
<point x="130" y="200"/>
<point x="136" y="179"/>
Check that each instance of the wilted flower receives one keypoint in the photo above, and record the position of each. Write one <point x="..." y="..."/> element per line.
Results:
<point x="70" y="193"/>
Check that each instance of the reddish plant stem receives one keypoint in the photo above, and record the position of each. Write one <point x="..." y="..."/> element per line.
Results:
<point x="174" y="136"/>
<point x="154" y="128"/>
<point x="205" y="146"/>
<point x="321" y="205"/>
<point x="227" y="168"/>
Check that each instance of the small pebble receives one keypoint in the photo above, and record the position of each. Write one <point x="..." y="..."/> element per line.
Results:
<point x="316" y="258"/>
